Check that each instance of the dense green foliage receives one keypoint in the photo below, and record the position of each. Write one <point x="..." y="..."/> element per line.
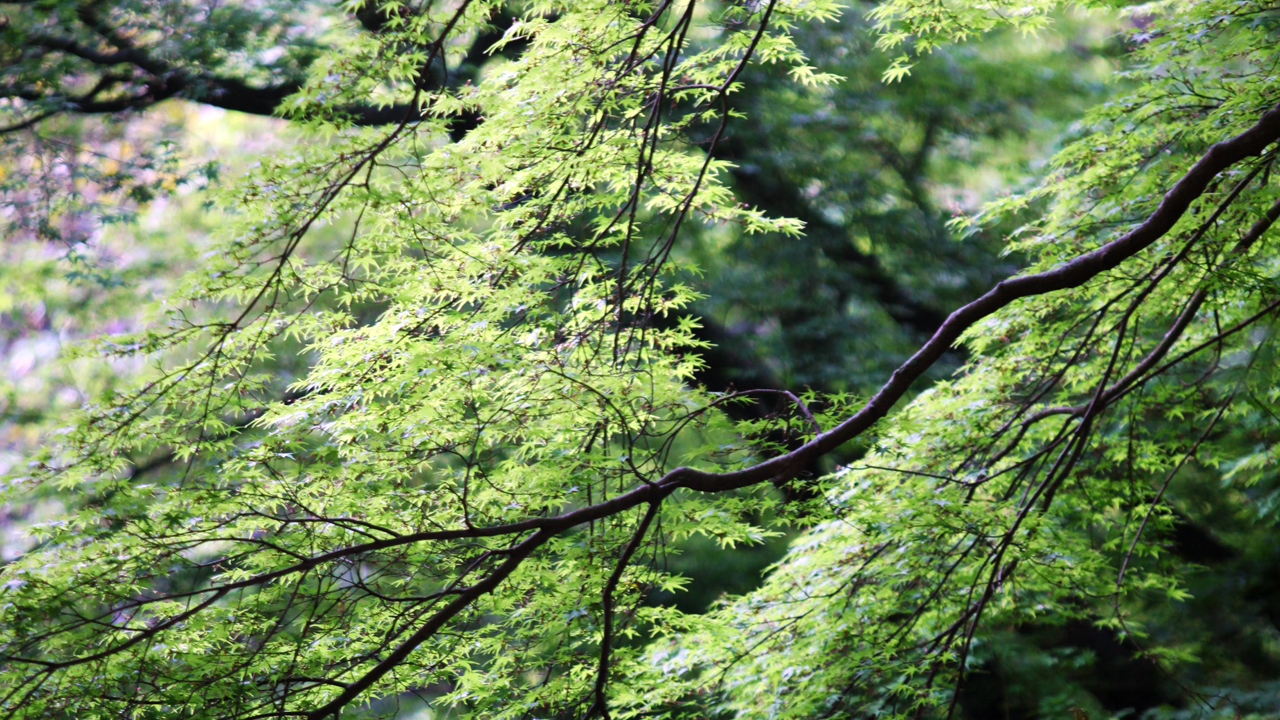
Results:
<point x="530" y="298"/>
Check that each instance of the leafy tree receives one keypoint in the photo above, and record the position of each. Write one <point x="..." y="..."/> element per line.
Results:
<point x="429" y="415"/>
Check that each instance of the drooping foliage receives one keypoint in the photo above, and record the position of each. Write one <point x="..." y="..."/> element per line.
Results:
<point x="1039" y="486"/>
<point x="431" y="407"/>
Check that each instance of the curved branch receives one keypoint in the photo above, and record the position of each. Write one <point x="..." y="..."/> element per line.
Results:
<point x="1073" y="273"/>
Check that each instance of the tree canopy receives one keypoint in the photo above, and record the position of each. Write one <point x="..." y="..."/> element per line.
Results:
<point x="424" y="400"/>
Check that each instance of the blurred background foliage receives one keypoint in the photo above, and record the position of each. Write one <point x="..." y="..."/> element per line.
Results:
<point x="121" y="204"/>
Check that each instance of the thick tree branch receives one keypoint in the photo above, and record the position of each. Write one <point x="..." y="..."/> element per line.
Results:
<point x="1074" y="273"/>
<point x="160" y="80"/>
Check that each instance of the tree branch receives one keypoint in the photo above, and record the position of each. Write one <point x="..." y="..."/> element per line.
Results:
<point x="162" y="80"/>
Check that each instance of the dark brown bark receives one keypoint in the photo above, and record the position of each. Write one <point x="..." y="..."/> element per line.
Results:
<point x="132" y="79"/>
